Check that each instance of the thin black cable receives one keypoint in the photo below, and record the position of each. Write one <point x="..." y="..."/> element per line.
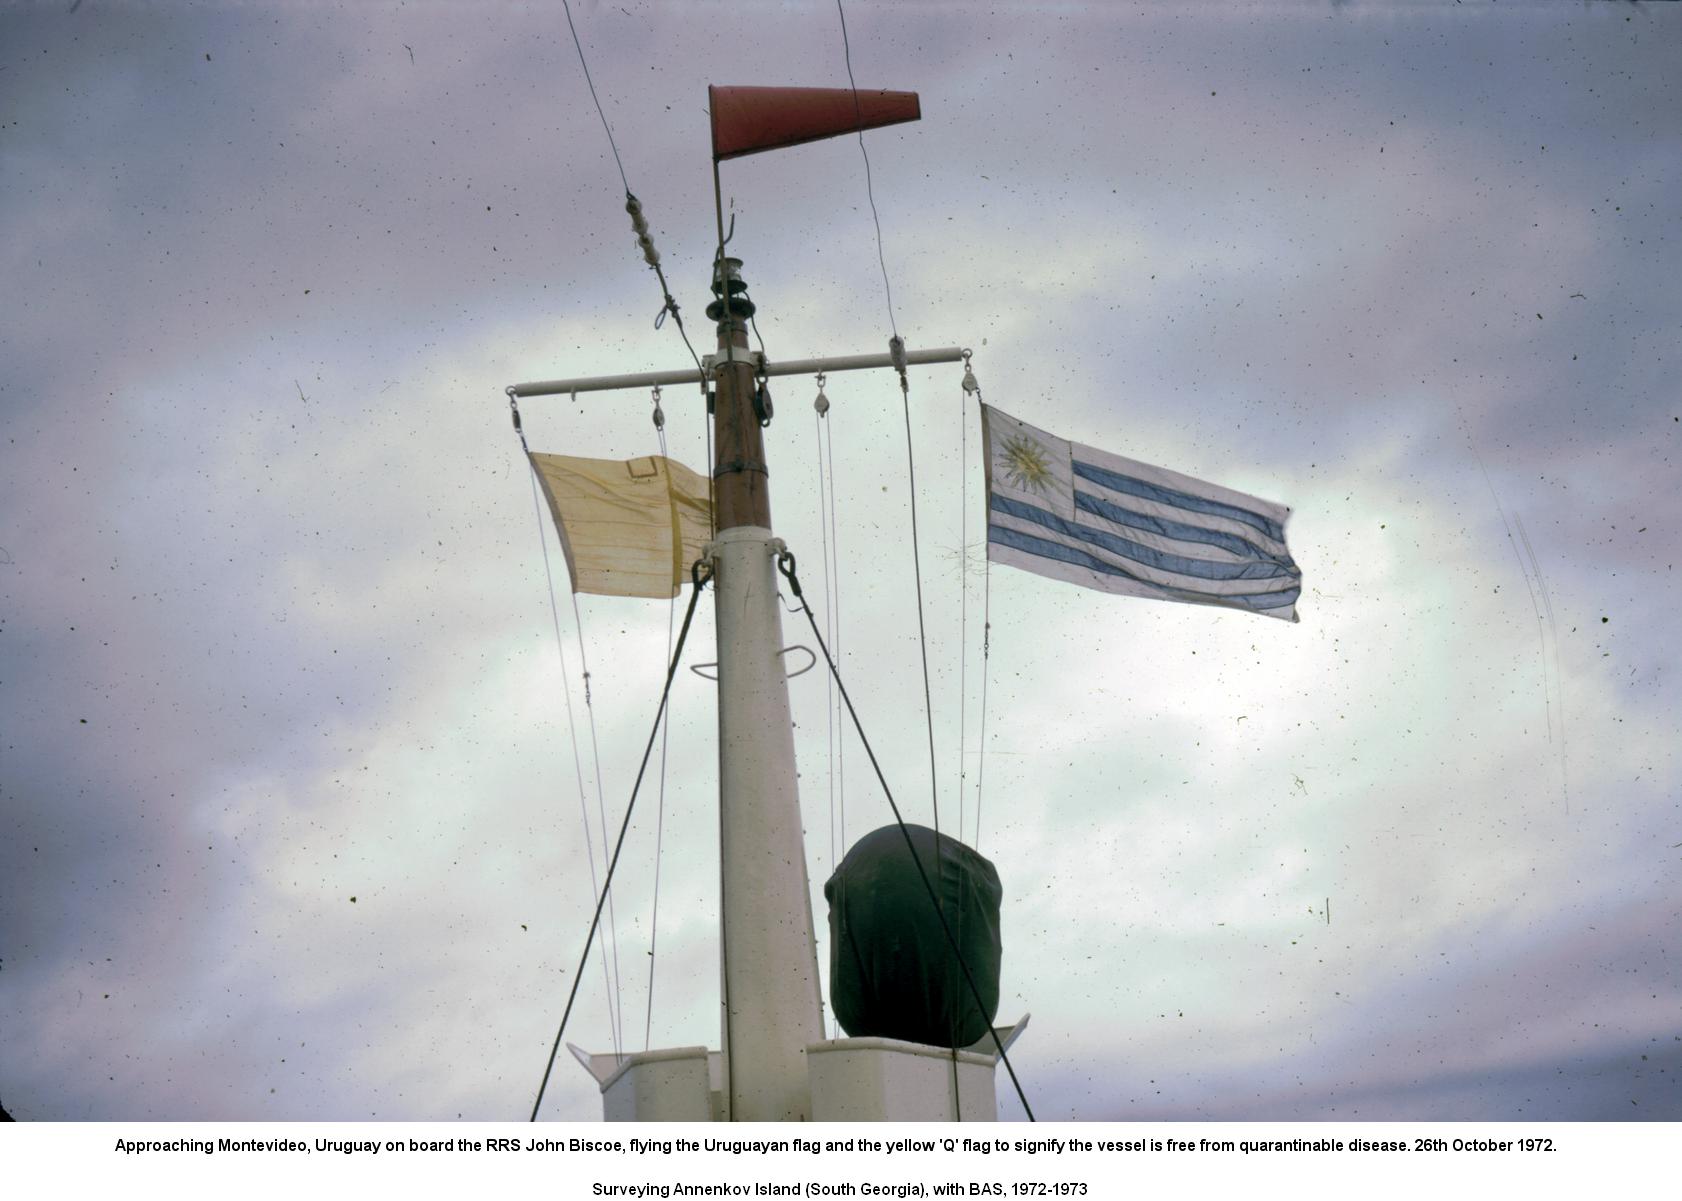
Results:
<point x="719" y="263"/>
<point x="665" y="289"/>
<point x="756" y="336"/>
<point x="632" y="204"/>
<point x="727" y="343"/>
<point x="785" y="564"/>
<point x="671" y="306"/>
<point x="611" y="144"/>
<point x="847" y="50"/>
<point x="699" y="581"/>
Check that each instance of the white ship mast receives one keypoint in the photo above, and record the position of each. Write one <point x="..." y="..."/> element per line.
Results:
<point x="774" y="1063"/>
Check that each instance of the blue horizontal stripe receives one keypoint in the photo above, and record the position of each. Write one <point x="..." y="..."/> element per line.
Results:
<point x="1256" y="602"/>
<point x="1145" y="490"/>
<point x="1203" y="569"/>
<point x="1177" y="530"/>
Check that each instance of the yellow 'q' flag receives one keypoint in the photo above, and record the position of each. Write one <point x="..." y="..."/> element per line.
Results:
<point x="629" y="528"/>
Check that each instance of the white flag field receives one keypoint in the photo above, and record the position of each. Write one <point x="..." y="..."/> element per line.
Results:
<point x="1074" y="513"/>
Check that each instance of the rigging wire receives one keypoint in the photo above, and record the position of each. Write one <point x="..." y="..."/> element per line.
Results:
<point x="651" y="256"/>
<point x="835" y="608"/>
<point x="986" y="654"/>
<point x="601" y="813"/>
<point x="972" y="385"/>
<point x="847" y="50"/>
<point x="963" y="629"/>
<point x="820" y="409"/>
<point x="572" y="726"/>
<point x="826" y="529"/>
<point x="634" y="206"/>
<point x="665" y="738"/>
<point x="917" y="572"/>
<point x="826" y="523"/>
<point x="834" y="604"/>
<point x="896" y="347"/>
<point x="832" y="621"/>
<point x="605" y="128"/>
<point x="670" y="307"/>
<point x="699" y="581"/>
<point x="659" y="843"/>
<point x="963" y="591"/>
<point x="786" y="565"/>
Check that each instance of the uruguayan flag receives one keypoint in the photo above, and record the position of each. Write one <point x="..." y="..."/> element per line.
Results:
<point x="1073" y="513"/>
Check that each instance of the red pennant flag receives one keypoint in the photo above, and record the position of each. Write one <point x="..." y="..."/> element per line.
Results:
<point x="748" y="120"/>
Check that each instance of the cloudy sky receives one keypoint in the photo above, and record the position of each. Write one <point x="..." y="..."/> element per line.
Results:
<point x="290" y="822"/>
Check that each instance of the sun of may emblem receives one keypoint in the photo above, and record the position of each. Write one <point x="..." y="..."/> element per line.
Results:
<point x="1026" y="464"/>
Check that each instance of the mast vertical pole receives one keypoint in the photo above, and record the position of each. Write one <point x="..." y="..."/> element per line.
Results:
<point x="770" y="994"/>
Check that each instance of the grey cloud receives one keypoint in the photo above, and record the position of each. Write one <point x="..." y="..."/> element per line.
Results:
<point x="313" y="626"/>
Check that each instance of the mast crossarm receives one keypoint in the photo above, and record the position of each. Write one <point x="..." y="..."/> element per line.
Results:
<point x="650" y="379"/>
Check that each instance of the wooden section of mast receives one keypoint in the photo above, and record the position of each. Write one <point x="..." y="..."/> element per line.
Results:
<point x="741" y="486"/>
<point x="770" y="992"/>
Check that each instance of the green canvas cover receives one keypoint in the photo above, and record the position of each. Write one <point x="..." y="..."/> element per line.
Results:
<point x="891" y="970"/>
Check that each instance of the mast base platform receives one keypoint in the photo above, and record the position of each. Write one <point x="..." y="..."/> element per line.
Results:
<point x="851" y="1080"/>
